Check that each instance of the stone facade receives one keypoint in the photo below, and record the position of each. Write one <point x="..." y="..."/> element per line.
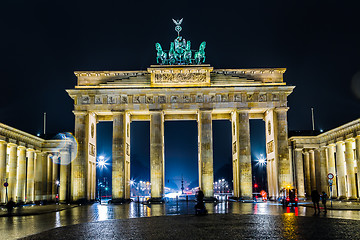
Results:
<point x="29" y="165"/>
<point x="165" y="93"/>
<point x="336" y="151"/>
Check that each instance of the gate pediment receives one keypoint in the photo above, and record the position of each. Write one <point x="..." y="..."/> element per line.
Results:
<point x="180" y="76"/>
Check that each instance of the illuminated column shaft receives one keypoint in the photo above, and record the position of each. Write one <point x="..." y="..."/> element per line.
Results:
<point x="49" y="177"/>
<point x="284" y="174"/>
<point x="350" y="169"/>
<point x="312" y="170"/>
<point x="55" y="177"/>
<point x="245" y="156"/>
<point x="64" y="168"/>
<point x="340" y="166"/>
<point x="300" y="172"/>
<point x="44" y="174"/>
<point x="307" y="174"/>
<point x="38" y="171"/>
<point x="127" y="155"/>
<point x="357" y="145"/>
<point x="3" y="148"/>
<point x="235" y="152"/>
<point x="21" y="174"/>
<point x="317" y="170"/>
<point x="118" y="158"/>
<point x="12" y="172"/>
<point x="30" y="176"/>
<point x="79" y="164"/>
<point x="331" y="168"/>
<point x="323" y="171"/>
<point x="157" y="154"/>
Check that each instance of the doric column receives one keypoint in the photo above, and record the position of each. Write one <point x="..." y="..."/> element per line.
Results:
<point x="235" y="153"/>
<point x="79" y="164"/>
<point x="323" y="171"/>
<point x="307" y="173"/>
<point x="64" y="170"/>
<point x="331" y="168"/>
<point x="12" y="171"/>
<point x="44" y="174"/>
<point x="157" y="155"/>
<point x="317" y="169"/>
<point x="38" y="175"/>
<point x="118" y="159"/>
<point x="49" y="177"/>
<point x="30" y="176"/>
<point x="357" y="145"/>
<point x="312" y="169"/>
<point x="245" y="156"/>
<point x="3" y="148"/>
<point x="21" y="174"/>
<point x="55" y="177"/>
<point x="284" y="174"/>
<point x="340" y="166"/>
<point x="350" y="169"/>
<point x="300" y="172"/>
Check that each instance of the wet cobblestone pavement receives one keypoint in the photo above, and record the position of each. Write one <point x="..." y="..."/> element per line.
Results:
<point x="216" y="226"/>
<point x="251" y="215"/>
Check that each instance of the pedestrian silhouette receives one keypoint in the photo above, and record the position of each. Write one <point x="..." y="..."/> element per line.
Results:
<point x="10" y="206"/>
<point x="315" y="197"/>
<point x="200" y="206"/>
<point x="323" y="200"/>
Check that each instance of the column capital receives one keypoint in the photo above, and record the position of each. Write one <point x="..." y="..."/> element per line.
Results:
<point x="10" y="144"/>
<point x="3" y="141"/>
<point x="79" y="113"/>
<point x="331" y="145"/>
<point x="350" y="140"/>
<point x="243" y="110"/>
<point x="30" y="150"/>
<point x="298" y="149"/>
<point x="311" y="150"/>
<point x="20" y="147"/>
<point x="340" y="142"/>
<point x="281" y="109"/>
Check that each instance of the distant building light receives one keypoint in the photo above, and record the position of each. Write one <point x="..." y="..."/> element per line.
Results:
<point x="321" y="130"/>
<point x="38" y="134"/>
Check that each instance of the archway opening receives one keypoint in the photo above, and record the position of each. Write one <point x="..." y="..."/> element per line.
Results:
<point x="181" y="157"/>
<point x="258" y="155"/>
<point x="222" y="151"/>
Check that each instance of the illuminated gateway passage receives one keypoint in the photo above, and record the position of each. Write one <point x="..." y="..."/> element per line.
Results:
<point x="180" y="92"/>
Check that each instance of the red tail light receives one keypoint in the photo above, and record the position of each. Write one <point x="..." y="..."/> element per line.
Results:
<point x="288" y="199"/>
<point x="296" y="199"/>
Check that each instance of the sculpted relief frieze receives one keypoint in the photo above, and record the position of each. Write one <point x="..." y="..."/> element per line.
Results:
<point x="180" y="78"/>
<point x="179" y="98"/>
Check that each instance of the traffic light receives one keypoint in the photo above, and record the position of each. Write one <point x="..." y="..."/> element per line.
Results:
<point x="255" y="185"/>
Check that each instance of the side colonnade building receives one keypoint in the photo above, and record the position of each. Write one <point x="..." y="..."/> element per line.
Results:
<point x="31" y="166"/>
<point x="336" y="151"/>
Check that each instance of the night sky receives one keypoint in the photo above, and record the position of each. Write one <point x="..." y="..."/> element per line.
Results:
<point x="44" y="42"/>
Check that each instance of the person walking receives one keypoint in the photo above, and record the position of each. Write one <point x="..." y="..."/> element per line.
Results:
<point x="315" y="197"/>
<point x="323" y="200"/>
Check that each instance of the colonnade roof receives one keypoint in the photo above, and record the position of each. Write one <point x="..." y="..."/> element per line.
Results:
<point x="15" y="136"/>
<point x="341" y="133"/>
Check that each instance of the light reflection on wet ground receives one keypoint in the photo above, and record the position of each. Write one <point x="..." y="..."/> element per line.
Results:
<point x="15" y="227"/>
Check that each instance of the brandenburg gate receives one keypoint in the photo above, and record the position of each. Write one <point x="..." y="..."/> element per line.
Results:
<point x="180" y="88"/>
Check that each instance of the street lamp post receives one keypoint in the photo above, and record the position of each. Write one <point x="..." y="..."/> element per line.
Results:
<point x="101" y="164"/>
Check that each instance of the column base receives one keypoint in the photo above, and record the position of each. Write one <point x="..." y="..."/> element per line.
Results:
<point x="156" y="200"/>
<point x="120" y="201"/>
<point x="341" y="198"/>
<point x="352" y="198"/>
